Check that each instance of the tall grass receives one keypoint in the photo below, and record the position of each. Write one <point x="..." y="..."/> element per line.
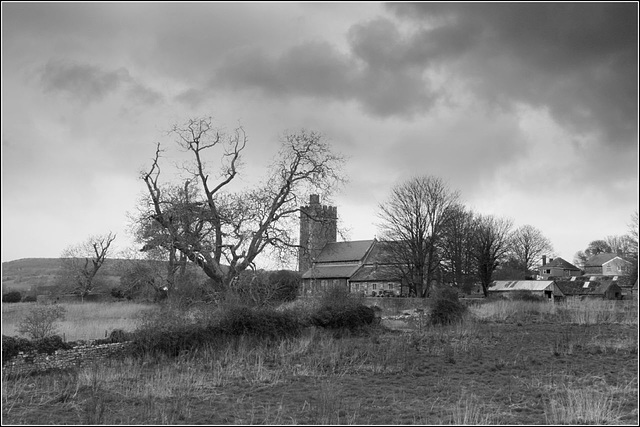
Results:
<point x="597" y="311"/>
<point x="83" y="321"/>
<point x="508" y="310"/>
<point x="574" y="405"/>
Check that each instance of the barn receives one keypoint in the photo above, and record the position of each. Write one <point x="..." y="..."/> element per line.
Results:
<point x="592" y="289"/>
<point x="543" y="288"/>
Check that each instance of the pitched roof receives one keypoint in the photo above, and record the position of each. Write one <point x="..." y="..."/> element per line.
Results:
<point x="560" y="263"/>
<point x="382" y="253"/>
<point x="373" y="273"/>
<point x="584" y="288"/>
<point x="344" y="251"/>
<point x="598" y="260"/>
<point x="330" y="271"/>
<point x="521" y="285"/>
<point x="622" y="281"/>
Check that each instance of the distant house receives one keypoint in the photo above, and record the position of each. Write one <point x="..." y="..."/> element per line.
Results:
<point x="557" y="267"/>
<point x="544" y="288"/>
<point x="593" y="289"/>
<point x="608" y="264"/>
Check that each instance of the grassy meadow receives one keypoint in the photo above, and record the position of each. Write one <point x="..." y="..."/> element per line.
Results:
<point x="506" y="362"/>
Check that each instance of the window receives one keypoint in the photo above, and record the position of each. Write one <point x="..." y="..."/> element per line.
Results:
<point x="390" y="286"/>
<point x="547" y="271"/>
<point x="374" y="286"/>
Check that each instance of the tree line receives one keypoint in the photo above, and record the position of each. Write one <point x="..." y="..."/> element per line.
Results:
<point x="196" y="216"/>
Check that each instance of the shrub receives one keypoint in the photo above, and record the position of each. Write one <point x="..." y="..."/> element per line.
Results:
<point x="261" y="323"/>
<point x="13" y="296"/>
<point x="29" y="298"/>
<point x="445" y="307"/>
<point x="40" y="321"/>
<point x="118" y="293"/>
<point x="343" y="316"/>
<point x="286" y="285"/>
<point x="11" y="346"/>
<point x="171" y="331"/>
<point x="50" y="344"/>
<point x="339" y="309"/>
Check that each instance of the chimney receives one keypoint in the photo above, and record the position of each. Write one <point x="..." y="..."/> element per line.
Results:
<point x="544" y="260"/>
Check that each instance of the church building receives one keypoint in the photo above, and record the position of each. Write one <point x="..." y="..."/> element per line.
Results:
<point x="361" y="266"/>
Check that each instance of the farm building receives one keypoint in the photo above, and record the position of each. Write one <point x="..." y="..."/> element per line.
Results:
<point x="544" y="288"/>
<point x="593" y="289"/>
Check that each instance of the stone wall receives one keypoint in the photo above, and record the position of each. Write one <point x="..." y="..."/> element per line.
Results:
<point x="32" y="362"/>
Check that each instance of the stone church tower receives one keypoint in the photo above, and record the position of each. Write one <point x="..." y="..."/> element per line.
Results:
<point x="318" y="226"/>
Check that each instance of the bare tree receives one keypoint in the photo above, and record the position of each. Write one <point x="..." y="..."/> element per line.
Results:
<point x="491" y="244"/>
<point x="457" y="254"/>
<point x="226" y="231"/>
<point x="633" y="243"/>
<point x="620" y="244"/>
<point x="81" y="263"/>
<point x="527" y="244"/>
<point x="415" y="216"/>
<point x="185" y="215"/>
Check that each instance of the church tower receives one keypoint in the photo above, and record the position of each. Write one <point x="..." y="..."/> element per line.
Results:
<point x="318" y="226"/>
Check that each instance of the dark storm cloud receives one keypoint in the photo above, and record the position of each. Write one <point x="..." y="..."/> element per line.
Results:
<point x="375" y="73"/>
<point x="89" y="83"/>
<point x="579" y="60"/>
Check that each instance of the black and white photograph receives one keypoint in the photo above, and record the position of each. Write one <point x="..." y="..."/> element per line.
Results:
<point x="320" y="213"/>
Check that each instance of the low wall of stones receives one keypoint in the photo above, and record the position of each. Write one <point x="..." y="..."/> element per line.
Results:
<point x="32" y="362"/>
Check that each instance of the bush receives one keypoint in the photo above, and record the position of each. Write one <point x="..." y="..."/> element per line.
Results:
<point x="171" y="331"/>
<point x="30" y="298"/>
<point x="40" y="321"/>
<point x="11" y="297"/>
<point x="340" y="309"/>
<point x="261" y="323"/>
<point x="445" y="307"/>
<point x="11" y="346"/>
<point x="343" y="317"/>
<point x="50" y="344"/>
<point x="286" y="285"/>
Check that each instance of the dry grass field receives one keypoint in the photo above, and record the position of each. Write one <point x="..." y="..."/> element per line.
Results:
<point x="508" y="362"/>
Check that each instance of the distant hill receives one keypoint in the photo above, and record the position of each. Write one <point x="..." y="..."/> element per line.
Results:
<point x="36" y="274"/>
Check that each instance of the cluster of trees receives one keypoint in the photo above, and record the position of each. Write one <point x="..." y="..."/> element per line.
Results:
<point x="437" y="239"/>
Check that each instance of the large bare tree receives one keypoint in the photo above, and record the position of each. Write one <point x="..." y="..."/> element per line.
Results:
<point x="491" y="244"/>
<point x="81" y="263"/>
<point x="226" y="230"/>
<point x="415" y="216"/>
<point x="457" y="248"/>
<point x="527" y="244"/>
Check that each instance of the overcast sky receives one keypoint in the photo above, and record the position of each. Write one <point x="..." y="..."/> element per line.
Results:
<point x="529" y="110"/>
